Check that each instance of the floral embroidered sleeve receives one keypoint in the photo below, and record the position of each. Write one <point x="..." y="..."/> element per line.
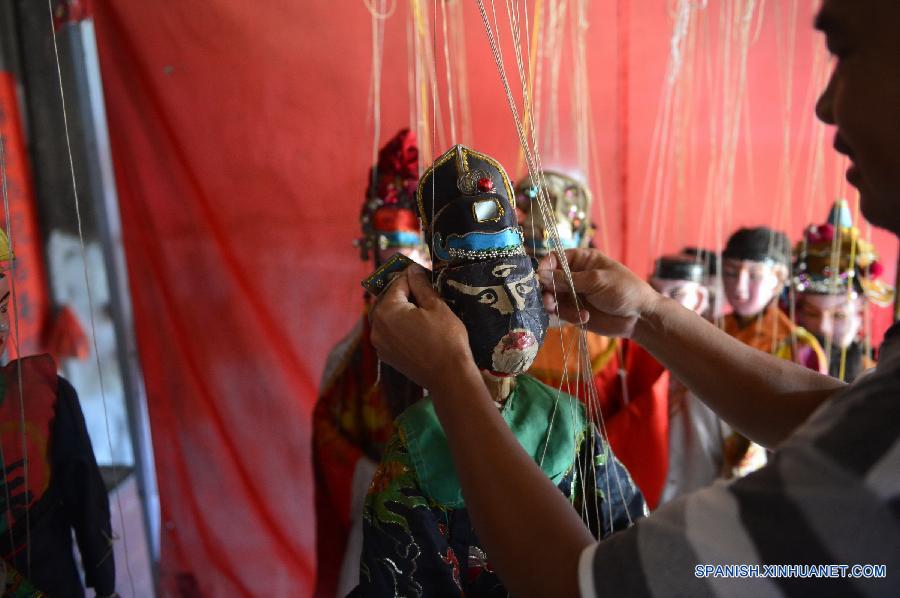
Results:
<point x="405" y="548"/>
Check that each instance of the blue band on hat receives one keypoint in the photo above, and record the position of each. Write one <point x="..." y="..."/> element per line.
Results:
<point x="477" y="242"/>
<point x="402" y="238"/>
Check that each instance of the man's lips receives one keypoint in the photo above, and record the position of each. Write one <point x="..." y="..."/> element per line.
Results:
<point x="853" y="174"/>
<point x="841" y="146"/>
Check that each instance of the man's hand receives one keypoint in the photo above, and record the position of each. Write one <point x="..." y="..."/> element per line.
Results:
<point x="414" y="331"/>
<point x="611" y="299"/>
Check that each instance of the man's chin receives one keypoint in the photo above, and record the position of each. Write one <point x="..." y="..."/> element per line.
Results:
<point x="883" y="212"/>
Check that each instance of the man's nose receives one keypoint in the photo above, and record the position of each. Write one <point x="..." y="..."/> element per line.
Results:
<point x="825" y="104"/>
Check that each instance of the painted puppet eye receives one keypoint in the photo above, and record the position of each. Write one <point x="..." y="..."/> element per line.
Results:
<point x="503" y="270"/>
<point x="487" y="297"/>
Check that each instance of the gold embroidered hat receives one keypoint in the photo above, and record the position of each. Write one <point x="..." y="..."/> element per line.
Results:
<point x="571" y="202"/>
<point x="833" y="259"/>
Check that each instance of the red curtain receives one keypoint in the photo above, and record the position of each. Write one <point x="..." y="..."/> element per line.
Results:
<point x="241" y="148"/>
<point x="231" y="161"/>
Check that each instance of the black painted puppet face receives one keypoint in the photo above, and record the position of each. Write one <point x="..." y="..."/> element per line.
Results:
<point x="484" y="274"/>
<point x="499" y="302"/>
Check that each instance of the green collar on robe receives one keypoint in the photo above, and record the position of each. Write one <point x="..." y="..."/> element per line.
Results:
<point x="528" y="411"/>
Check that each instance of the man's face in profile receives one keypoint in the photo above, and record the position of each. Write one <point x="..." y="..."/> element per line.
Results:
<point x="863" y="99"/>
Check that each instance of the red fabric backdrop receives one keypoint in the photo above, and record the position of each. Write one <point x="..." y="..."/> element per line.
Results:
<point x="241" y="148"/>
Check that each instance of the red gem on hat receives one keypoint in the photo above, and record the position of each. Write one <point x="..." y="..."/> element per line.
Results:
<point x="876" y="269"/>
<point x="485" y="184"/>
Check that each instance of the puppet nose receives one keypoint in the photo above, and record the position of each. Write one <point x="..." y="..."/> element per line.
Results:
<point x="518" y="341"/>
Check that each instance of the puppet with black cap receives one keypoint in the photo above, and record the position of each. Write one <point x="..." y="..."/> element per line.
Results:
<point x="695" y="435"/>
<point x="418" y="538"/>
<point x="755" y="266"/>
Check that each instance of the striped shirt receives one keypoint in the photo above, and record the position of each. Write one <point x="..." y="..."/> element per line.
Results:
<point x="830" y="496"/>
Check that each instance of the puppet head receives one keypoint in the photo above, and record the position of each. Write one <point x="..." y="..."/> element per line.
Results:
<point x="681" y="278"/>
<point x="716" y="293"/>
<point x="754" y="269"/>
<point x="482" y="270"/>
<point x="388" y="218"/>
<point x="835" y="271"/>
<point x="571" y="203"/>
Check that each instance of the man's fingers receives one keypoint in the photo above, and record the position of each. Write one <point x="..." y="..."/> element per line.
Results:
<point x="397" y="291"/>
<point x="556" y="281"/>
<point x="419" y="284"/>
<point x="548" y="263"/>
<point x="549" y="301"/>
<point x="567" y="310"/>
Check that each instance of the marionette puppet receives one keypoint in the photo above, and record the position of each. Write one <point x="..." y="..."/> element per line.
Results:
<point x="418" y="538"/>
<point x="625" y="393"/>
<point x="358" y="398"/>
<point x="681" y="278"/>
<point x="711" y="281"/>
<point x="52" y="485"/>
<point x="836" y="273"/>
<point x="695" y="433"/>
<point x="558" y="358"/>
<point x="754" y="273"/>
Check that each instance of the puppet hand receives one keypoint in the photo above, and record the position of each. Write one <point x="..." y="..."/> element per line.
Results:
<point x="611" y="299"/>
<point x="415" y="332"/>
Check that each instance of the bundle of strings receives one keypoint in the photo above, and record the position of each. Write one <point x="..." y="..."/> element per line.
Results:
<point x="528" y="142"/>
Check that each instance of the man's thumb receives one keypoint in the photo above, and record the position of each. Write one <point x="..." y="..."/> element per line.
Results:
<point x="420" y="287"/>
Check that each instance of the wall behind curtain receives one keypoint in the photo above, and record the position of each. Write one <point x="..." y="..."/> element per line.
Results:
<point x="241" y="147"/>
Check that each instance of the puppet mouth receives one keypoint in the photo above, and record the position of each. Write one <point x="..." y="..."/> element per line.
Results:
<point x="515" y="352"/>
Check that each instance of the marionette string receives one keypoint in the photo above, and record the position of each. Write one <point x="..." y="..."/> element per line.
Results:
<point x="87" y="283"/>
<point x="532" y="157"/>
<point x="378" y="18"/>
<point x="448" y="69"/>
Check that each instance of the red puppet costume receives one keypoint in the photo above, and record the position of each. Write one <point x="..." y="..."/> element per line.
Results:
<point x="354" y="416"/>
<point x="755" y="265"/>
